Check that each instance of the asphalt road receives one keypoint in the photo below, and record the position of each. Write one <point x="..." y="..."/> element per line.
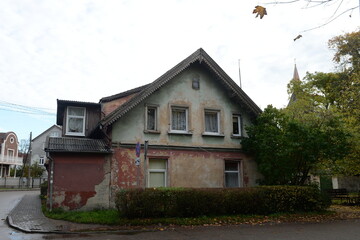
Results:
<point x="335" y="230"/>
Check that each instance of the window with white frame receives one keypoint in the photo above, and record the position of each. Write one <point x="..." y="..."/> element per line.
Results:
<point x="151" y="118"/>
<point x="179" y="119"/>
<point x="54" y="134"/>
<point x="232" y="174"/>
<point x="41" y="161"/>
<point x="10" y="153"/>
<point x="212" y="122"/>
<point x="157" y="173"/>
<point x="75" y="121"/>
<point x="236" y="123"/>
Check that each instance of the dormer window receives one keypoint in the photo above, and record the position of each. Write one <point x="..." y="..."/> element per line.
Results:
<point x="75" y="121"/>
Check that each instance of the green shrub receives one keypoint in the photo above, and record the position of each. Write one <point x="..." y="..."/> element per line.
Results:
<point x="163" y="202"/>
<point x="43" y="189"/>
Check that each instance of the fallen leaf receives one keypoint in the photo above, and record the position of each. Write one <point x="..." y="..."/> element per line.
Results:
<point x="260" y="11"/>
<point x="298" y="37"/>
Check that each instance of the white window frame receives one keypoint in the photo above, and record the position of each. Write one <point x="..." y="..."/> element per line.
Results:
<point x="42" y="161"/>
<point x="238" y="116"/>
<point x="154" y="170"/>
<point x="239" y="172"/>
<point x="10" y="152"/>
<point x="218" y="121"/>
<point x="156" y="108"/>
<point x="54" y="134"/>
<point x="75" y="116"/>
<point x="186" y="119"/>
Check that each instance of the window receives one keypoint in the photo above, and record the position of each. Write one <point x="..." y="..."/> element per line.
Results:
<point x="212" y="122"/>
<point x="10" y="153"/>
<point x="232" y="174"/>
<point x="54" y="134"/>
<point x="151" y="118"/>
<point x="236" y="121"/>
<point x="196" y="82"/>
<point x="157" y="173"/>
<point x="41" y="161"/>
<point x="179" y="119"/>
<point x="75" y="121"/>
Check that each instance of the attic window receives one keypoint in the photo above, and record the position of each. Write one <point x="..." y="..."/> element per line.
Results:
<point x="196" y="82"/>
<point x="75" y="121"/>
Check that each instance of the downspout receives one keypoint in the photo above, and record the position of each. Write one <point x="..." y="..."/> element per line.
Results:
<point x="51" y="181"/>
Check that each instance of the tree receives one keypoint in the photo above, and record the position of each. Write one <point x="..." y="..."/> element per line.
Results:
<point x="36" y="171"/>
<point x="24" y="146"/>
<point x="335" y="95"/>
<point x="287" y="149"/>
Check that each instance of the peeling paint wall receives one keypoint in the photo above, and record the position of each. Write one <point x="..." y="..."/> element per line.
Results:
<point x="81" y="181"/>
<point x="110" y="106"/>
<point x="185" y="168"/>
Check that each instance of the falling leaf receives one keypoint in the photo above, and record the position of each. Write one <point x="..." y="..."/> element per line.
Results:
<point x="259" y="10"/>
<point x="298" y="37"/>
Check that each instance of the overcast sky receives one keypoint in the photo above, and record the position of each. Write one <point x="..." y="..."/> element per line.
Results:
<point x="85" y="49"/>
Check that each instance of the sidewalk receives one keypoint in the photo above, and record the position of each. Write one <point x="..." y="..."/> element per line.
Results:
<point x="28" y="217"/>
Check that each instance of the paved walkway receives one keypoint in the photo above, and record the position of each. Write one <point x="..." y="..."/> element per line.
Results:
<point x="27" y="216"/>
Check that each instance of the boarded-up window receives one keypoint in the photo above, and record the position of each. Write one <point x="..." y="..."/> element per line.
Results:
<point x="157" y="173"/>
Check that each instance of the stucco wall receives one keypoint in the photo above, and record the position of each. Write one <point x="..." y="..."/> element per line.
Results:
<point x="211" y="95"/>
<point x="81" y="181"/>
<point x="185" y="168"/>
<point x="38" y="144"/>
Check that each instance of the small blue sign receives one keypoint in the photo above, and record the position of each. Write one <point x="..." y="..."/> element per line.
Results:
<point x="137" y="149"/>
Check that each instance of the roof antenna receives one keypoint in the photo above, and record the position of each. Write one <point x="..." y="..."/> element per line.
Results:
<point x="239" y="73"/>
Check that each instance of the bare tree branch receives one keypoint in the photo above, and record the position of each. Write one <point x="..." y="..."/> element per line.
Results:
<point x="326" y="23"/>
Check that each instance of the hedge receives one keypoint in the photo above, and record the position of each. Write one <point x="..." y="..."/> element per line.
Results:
<point x="163" y="202"/>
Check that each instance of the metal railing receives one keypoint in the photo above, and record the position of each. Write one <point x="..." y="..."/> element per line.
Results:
<point x="11" y="160"/>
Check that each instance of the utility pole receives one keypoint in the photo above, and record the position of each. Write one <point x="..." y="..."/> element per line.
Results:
<point x="145" y="162"/>
<point x="29" y="160"/>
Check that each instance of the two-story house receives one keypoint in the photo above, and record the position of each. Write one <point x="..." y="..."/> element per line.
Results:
<point x="182" y="130"/>
<point x="9" y="153"/>
<point x="38" y="154"/>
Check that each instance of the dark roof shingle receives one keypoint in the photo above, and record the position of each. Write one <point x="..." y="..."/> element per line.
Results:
<point x="84" y="145"/>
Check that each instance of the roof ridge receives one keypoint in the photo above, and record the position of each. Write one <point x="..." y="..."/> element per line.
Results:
<point x="199" y="55"/>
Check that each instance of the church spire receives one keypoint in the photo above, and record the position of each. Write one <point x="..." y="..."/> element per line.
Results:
<point x="295" y="78"/>
<point x="296" y="74"/>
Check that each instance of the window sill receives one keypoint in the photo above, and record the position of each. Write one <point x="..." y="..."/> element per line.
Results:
<point x="152" y="132"/>
<point x="75" y="134"/>
<point x="236" y="136"/>
<point x="213" y="135"/>
<point x="180" y="133"/>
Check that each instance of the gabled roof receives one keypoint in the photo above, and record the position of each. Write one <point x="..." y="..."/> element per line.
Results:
<point x="199" y="56"/>
<point x="62" y="104"/>
<point x="82" y="145"/>
<point x="47" y="130"/>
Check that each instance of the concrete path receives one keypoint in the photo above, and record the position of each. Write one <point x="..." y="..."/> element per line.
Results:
<point x="27" y="216"/>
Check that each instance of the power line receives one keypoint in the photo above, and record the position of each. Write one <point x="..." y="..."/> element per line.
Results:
<point x="12" y="107"/>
